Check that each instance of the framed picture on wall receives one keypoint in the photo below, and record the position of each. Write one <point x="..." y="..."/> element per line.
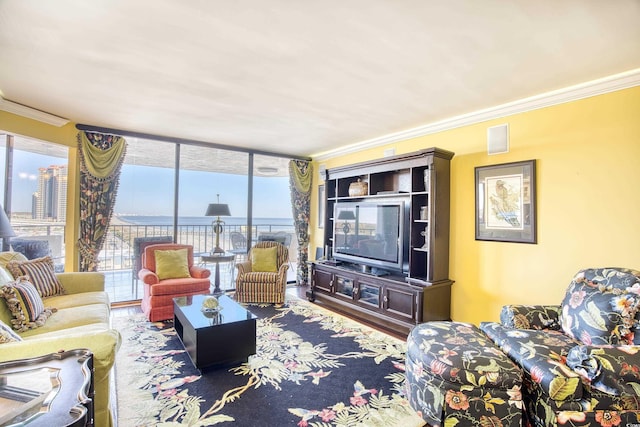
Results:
<point x="321" y="206"/>
<point x="506" y="202"/>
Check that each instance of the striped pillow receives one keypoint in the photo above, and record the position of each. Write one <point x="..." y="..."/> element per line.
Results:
<point x="7" y="334"/>
<point x="25" y="305"/>
<point x="41" y="273"/>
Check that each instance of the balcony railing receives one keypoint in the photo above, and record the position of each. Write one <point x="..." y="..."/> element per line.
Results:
<point x="116" y="259"/>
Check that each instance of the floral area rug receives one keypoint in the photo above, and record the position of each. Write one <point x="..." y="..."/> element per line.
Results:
<point x="312" y="368"/>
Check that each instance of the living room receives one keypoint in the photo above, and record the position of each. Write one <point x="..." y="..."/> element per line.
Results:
<point x="584" y="136"/>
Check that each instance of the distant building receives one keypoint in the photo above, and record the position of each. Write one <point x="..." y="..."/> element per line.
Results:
<point x="50" y="200"/>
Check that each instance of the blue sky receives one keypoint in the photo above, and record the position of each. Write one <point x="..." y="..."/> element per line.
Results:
<point x="145" y="190"/>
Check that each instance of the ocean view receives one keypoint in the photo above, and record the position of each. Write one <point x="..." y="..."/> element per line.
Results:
<point x="199" y="220"/>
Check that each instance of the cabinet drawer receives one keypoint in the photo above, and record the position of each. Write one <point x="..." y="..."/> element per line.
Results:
<point x="400" y="302"/>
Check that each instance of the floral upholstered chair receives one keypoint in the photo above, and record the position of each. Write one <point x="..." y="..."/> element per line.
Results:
<point x="581" y="359"/>
<point x="262" y="278"/>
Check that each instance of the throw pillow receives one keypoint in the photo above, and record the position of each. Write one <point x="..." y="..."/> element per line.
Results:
<point x="598" y="313"/>
<point x="25" y="305"/>
<point x="41" y="273"/>
<point x="172" y="264"/>
<point x="7" y="334"/>
<point x="264" y="259"/>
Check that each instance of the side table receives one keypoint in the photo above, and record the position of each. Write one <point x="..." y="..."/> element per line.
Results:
<point x="217" y="259"/>
<point x="51" y="390"/>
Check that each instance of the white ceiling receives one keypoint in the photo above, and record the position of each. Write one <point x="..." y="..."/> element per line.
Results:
<point x="301" y="77"/>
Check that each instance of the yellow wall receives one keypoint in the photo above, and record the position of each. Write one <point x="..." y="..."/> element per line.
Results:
<point x="588" y="195"/>
<point x="65" y="135"/>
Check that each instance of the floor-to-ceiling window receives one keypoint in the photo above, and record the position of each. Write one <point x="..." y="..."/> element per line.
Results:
<point x="34" y="194"/>
<point x="212" y="175"/>
<point x="156" y="200"/>
<point x="164" y="190"/>
<point x="272" y="214"/>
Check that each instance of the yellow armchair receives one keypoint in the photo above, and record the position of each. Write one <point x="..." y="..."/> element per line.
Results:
<point x="261" y="286"/>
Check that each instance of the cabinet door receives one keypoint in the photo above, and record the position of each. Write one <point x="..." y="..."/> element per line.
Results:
<point x="322" y="280"/>
<point x="400" y="302"/>
<point x="369" y="294"/>
<point x="344" y="286"/>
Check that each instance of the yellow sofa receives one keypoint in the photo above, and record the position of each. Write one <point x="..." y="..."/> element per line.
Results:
<point x="82" y="320"/>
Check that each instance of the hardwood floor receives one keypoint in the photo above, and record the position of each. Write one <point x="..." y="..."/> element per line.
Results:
<point x="118" y="310"/>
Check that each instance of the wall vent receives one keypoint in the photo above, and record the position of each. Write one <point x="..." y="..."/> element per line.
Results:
<point x="498" y="139"/>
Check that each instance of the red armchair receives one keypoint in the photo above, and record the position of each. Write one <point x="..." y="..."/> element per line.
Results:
<point x="157" y="301"/>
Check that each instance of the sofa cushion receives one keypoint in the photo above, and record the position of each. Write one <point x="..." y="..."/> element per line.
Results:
<point x="41" y="273"/>
<point x="177" y="287"/>
<point x="76" y="300"/>
<point x="25" y="305"/>
<point x="7" y="334"/>
<point x="600" y="306"/>
<point x="172" y="264"/>
<point x="72" y="317"/>
<point x="541" y="354"/>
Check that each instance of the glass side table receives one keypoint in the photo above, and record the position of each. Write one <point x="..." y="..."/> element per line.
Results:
<point x="51" y="390"/>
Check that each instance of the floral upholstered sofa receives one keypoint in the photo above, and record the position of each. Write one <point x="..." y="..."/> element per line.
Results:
<point x="580" y="359"/>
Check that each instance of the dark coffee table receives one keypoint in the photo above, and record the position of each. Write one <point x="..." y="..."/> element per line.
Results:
<point x="214" y="340"/>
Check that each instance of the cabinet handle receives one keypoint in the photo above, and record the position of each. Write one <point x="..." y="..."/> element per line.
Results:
<point x="385" y="298"/>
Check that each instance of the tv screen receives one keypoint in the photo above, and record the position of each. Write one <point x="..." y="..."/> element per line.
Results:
<point x="369" y="233"/>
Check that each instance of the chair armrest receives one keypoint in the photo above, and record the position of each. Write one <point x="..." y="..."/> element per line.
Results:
<point x="531" y="317"/>
<point x="610" y="369"/>
<point x="78" y="282"/>
<point x="199" y="272"/>
<point x="148" y="277"/>
<point x="282" y="272"/>
<point x="243" y="267"/>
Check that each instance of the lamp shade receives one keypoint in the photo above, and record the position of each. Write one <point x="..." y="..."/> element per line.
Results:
<point x="5" y="226"/>
<point x="346" y="215"/>
<point x="218" y="209"/>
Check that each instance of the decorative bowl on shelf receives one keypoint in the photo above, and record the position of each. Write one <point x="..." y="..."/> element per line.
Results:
<point x="358" y="188"/>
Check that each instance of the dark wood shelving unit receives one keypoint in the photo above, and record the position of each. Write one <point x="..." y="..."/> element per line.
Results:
<point x="422" y="290"/>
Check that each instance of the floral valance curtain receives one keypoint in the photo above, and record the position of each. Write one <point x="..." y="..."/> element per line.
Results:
<point x="300" y="174"/>
<point x="101" y="158"/>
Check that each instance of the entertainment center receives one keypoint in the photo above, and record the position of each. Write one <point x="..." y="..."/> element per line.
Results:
<point x="386" y="240"/>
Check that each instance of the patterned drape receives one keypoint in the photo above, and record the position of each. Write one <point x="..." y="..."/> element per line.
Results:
<point x="101" y="158"/>
<point x="300" y="174"/>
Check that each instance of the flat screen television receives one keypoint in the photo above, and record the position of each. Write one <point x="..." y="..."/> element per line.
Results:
<point x="371" y="234"/>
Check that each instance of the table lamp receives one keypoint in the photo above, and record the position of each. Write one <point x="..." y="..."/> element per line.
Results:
<point x="217" y="209"/>
<point x="5" y="228"/>
<point x="346" y="227"/>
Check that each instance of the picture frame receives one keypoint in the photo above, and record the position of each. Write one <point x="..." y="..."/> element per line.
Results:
<point x="321" y="206"/>
<point x="505" y="207"/>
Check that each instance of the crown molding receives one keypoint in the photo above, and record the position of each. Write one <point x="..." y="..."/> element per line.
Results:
<point x="572" y="93"/>
<point x="31" y="113"/>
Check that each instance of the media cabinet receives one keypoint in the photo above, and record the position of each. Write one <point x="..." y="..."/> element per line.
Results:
<point x="422" y="290"/>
